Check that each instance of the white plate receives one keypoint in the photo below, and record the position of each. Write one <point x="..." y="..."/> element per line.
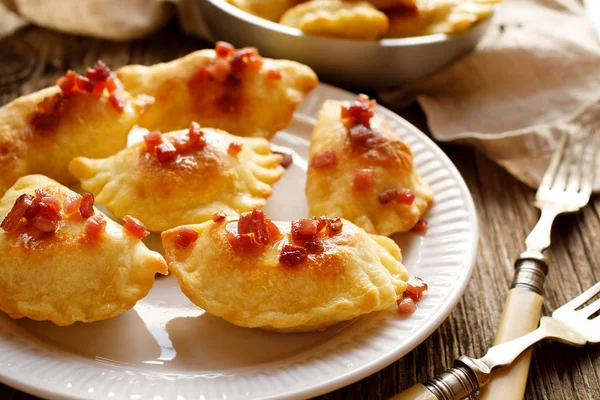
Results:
<point x="166" y="348"/>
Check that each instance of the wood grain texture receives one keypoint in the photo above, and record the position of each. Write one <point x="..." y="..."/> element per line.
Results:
<point x="33" y="58"/>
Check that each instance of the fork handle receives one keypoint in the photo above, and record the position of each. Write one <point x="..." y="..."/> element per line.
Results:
<point x="521" y="315"/>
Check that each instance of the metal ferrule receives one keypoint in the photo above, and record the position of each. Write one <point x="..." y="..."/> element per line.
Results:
<point x="456" y="383"/>
<point x="530" y="272"/>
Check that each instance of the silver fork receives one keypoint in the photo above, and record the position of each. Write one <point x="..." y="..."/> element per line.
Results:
<point x="575" y="323"/>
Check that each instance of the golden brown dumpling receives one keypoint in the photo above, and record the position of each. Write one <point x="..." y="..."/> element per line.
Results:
<point x="74" y="270"/>
<point x="267" y="9"/>
<point x="437" y="16"/>
<point x="306" y="276"/>
<point x="365" y="175"/>
<point x="43" y="131"/>
<point x="188" y="188"/>
<point x="337" y="18"/>
<point x="389" y="4"/>
<point x="239" y="92"/>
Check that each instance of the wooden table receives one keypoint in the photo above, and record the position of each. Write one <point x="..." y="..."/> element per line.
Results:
<point x="33" y="58"/>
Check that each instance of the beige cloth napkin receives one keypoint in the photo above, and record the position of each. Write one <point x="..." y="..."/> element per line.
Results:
<point x="535" y="75"/>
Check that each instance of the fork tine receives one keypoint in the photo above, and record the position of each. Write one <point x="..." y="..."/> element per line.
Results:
<point x="589" y="175"/>
<point x="575" y="178"/>
<point x="582" y="298"/>
<point x="592" y="308"/>
<point x="554" y="161"/>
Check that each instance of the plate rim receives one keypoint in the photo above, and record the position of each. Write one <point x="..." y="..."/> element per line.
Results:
<point x="376" y="364"/>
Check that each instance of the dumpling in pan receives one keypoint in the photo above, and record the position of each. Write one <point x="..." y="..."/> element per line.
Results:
<point x="289" y="277"/>
<point x="268" y="9"/>
<point x="43" y="131"/>
<point x="360" y="170"/>
<point x="234" y="90"/>
<point x="337" y="18"/>
<point x="182" y="177"/>
<point x="64" y="261"/>
<point x="437" y="16"/>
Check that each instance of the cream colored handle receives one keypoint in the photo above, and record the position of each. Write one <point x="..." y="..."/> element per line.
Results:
<point x="521" y="315"/>
<point x="416" y="392"/>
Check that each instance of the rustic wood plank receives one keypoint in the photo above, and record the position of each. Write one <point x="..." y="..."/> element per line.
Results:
<point x="33" y="58"/>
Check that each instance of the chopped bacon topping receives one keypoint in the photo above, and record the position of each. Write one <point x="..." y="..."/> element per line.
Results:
<point x="219" y="217"/>
<point x="84" y="84"/>
<point x="94" y="227"/>
<point x="420" y="227"/>
<point x="321" y="222"/>
<point x="334" y="224"/>
<point x="292" y="255"/>
<point x="46" y="222"/>
<point x="196" y="135"/>
<point x="304" y="229"/>
<point x="186" y="236"/>
<point x="51" y="105"/>
<point x="359" y="112"/>
<point x="274" y="232"/>
<point x="360" y="135"/>
<point x="86" y="207"/>
<point x="111" y="85"/>
<point x="323" y="159"/>
<point x="406" y="306"/>
<point x="416" y="288"/>
<point x="98" y="73"/>
<point x="406" y="197"/>
<point x="314" y="246"/>
<point x="363" y="179"/>
<point x="47" y="115"/>
<point x="240" y="242"/>
<point x="117" y="101"/>
<point x="305" y="233"/>
<point x="72" y="205"/>
<point x="387" y="196"/>
<point x="98" y="89"/>
<point x="17" y="212"/>
<point x="234" y="148"/>
<point x="152" y="140"/>
<point x="274" y="74"/>
<point x="252" y="228"/>
<point x="66" y="83"/>
<point x="166" y="152"/>
<point x="287" y="159"/>
<point x="229" y="63"/>
<point x="135" y="227"/>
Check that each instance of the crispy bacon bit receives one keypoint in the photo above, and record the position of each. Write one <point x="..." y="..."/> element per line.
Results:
<point x="152" y="140"/>
<point x="245" y="59"/>
<point x="254" y="222"/>
<point x="72" y="205"/>
<point x="17" y="212"/>
<point x="321" y="222"/>
<point x="406" y="306"/>
<point x="98" y="73"/>
<point x="84" y="84"/>
<point x="314" y="246"/>
<point x="292" y="255"/>
<point x="67" y="83"/>
<point x="360" y="135"/>
<point x="334" y="224"/>
<point x="219" y="70"/>
<point x="234" y="148"/>
<point x="111" y="85"/>
<point x="194" y="132"/>
<point x="274" y="74"/>
<point x="363" y="180"/>
<point x="274" y="232"/>
<point x="51" y="202"/>
<point x="420" y="227"/>
<point x="46" y="222"/>
<point x="287" y="159"/>
<point x="98" y="89"/>
<point x="415" y="289"/>
<point x="219" y="217"/>
<point x="324" y="159"/>
<point x="117" y="101"/>
<point x="135" y="227"/>
<point x="304" y="229"/>
<point x="224" y="49"/>
<point x="387" y="196"/>
<point x="86" y="208"/>
<point x="186" y="236"/>
<point x="48" y="113"/>
<point x="94" y="227"/>
<point x="360" y="111"/>
<point x="166" y="152"/>
<point x="406" y="197"/>
<point x="240" y="242"/>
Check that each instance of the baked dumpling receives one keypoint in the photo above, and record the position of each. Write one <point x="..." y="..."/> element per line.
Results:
<point x="360" y="170"/>
<point x="43" y="131"/>
<point x="207" y="171"/>
<point x="234" y="90"/>
<point x="296" y="277"/>
<point x="388" y="4"/>
<point x="437" y="16"/>
<point x="337" y="18"/>
<point x="64" y="261"/>
<point x="267" y="9"/>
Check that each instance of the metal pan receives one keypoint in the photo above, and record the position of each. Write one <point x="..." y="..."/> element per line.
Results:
<point x="351" y="63"/>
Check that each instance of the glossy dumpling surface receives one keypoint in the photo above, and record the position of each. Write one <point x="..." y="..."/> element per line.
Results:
<point x="62" y="276"/>
<point x="337" y="18"/>
<point x="382" y="162"/>
<point x="187" y="189"/>
<point x="257" y="102"/>
<point x="355" y="273"/>
<point x="87" y="125"/>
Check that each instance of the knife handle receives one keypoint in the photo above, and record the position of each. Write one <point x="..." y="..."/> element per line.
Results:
<point x="521" y="315"/>
<point x="416" y="392"/>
